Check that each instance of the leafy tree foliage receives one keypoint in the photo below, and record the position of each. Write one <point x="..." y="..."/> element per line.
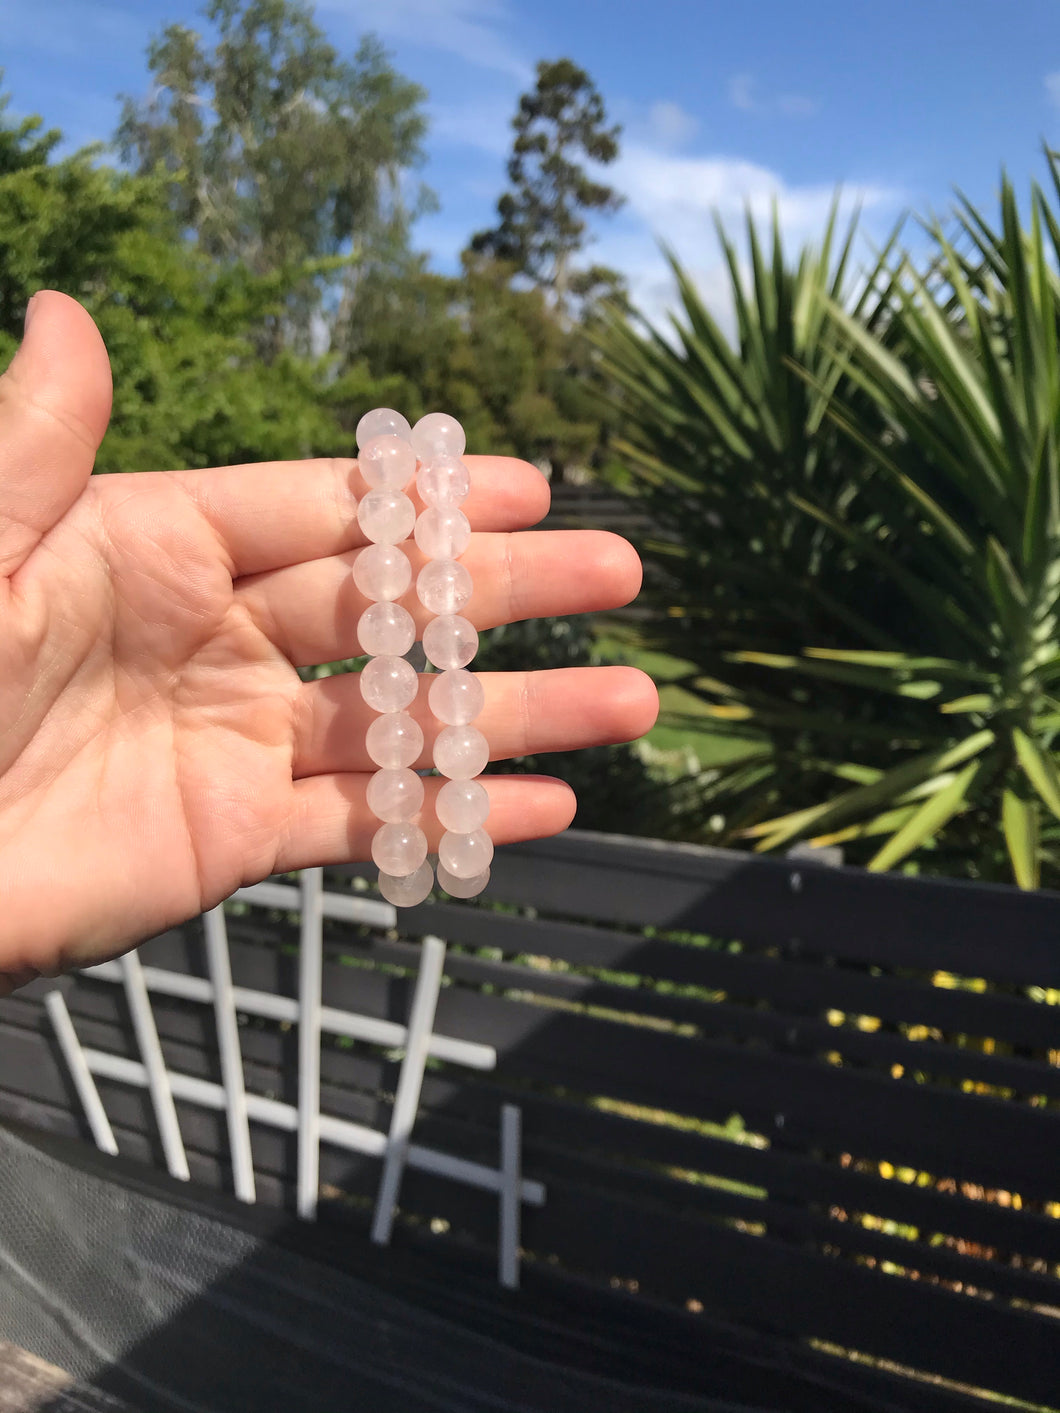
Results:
<point x="559" y="126"/>
<point x="281" y="154"/>
<point x="190" y="388"/>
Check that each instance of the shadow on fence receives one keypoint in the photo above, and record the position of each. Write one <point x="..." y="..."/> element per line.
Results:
<point x="781" y="1114"/>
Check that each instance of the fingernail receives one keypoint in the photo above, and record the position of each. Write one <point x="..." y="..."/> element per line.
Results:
<point x="29" y="314"/>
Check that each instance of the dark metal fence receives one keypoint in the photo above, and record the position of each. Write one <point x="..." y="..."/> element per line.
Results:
<point x="813" y="1106"/>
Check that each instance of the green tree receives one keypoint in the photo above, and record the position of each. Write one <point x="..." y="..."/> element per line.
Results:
<point x="190" y="389"/>
<point x="281" y="154"/>
<point x="559" y="127"/>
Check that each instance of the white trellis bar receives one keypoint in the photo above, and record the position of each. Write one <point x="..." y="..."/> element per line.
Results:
<point x="511" y="1191"/>
<point x="310" y="980"/>
<point x="80" y="1072"/>
<point x="219" y="965"/>
<point x="143" y="1019"/>
<point x="337" y="1133"/>
<point x="410" y="1082"/>
<point x="389" y="1035"/>
<point x="313" y="1018"/>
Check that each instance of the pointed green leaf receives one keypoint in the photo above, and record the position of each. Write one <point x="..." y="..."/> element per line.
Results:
<point x="1021" y="822"/>
<point x="927" y="821"/>
<point x="1039" y="768"/>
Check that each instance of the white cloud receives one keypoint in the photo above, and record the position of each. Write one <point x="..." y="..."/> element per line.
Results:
<point x="673" y="198"/>
<point x="1052" y="88"/>
<point x="744" y="95"/>
<point x="670" y="125"/>
<point x="475" y="30"/>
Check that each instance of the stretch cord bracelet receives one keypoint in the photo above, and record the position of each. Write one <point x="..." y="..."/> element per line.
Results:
<point x="456" y="696"/>
<point x="388" y="453"/>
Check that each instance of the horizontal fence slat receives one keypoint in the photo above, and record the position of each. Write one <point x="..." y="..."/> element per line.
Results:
<point x="786" y="1289"/>
<point x="923" y="924"/>
<point x="819" y="1104"/>
<point x="797" y="985"/>
<point x="555" y="1122"/>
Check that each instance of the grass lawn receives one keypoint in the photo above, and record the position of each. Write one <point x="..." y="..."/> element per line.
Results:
<point x="683" y="722"/>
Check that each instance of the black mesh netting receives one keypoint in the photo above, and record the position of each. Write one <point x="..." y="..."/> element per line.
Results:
<point x="169" y="1307"/>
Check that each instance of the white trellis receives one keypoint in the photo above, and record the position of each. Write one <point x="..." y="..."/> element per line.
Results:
<point x="418" y="1040"/>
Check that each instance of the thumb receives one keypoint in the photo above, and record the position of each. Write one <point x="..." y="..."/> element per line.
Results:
<point x="54" y="408"/>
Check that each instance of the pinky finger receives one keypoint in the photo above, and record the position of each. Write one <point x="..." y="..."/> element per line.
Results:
<point x="330" y="822"/>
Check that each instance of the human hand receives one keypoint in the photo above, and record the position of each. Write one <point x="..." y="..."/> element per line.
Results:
<point x="157" y="747"/>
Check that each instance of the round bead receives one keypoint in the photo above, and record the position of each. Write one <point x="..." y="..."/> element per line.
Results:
<point x="389" y="684"/>
<point x="387" y="461"/>
<point x="462" y="887"/>
<point x="382" y="572"/>
<point x="442" y="534"/>
<point x="462" y="806"/>
<point x="399" y="849"/>
<point x="443" y="586"/>
<point x="461" y="752"/>
<point x="456" y="697"/>
<point x="386" y="628"/>
<point x="394" y="795"/>
<point x="444" y="481"/>
<point x="450" y="642"/>
<point x="465" y="855"/>
<point x="438" y="434"/>
<point x="382" y="422"/>
<point x="408" y="891"/>
<point x="394" y="740"/>
<point x="386" y="516"/>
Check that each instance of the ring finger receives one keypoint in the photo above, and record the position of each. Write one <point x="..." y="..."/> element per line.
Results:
<point x="526" y="713"/>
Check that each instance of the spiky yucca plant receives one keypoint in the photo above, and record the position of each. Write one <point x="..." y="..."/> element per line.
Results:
<point x="946" y="407"/>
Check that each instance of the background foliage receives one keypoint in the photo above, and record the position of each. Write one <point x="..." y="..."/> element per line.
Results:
<point x="852" y="488"/>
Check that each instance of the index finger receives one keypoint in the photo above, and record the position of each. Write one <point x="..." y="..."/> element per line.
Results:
<point x="273" y="514"/>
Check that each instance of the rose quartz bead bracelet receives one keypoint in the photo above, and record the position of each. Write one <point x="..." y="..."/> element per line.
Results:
<point x="390" y="453"/>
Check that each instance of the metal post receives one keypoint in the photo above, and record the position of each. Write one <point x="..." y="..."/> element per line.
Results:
<point x="224" y="1010"/>
<point x="310" y="979"/>
<point x="143" y="1020"/>
<point x="55" y="1004"/>
<point x="410" y="1082"/>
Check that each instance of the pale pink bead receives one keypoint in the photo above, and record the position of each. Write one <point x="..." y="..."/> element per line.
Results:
<point x="387" y="461"/>
<point x="394" y="740"/>
<point x="389" y="683"/>
<point x="462" y="887"/>
<point x="408" y="891"/>
<point x="386" y="628"/>
<point x="444" y="481"/>
<point x="382" y="422"/>
<point x="462" y="806"/>
<point x="465" y="855"/>
<point x="399" y="849"/>
<point x="456" y="697"/>
<point x="450" y="641"/>
<point x="382" y="572"/>
<point x="443" y="586"/>
<point x="394" y="795"/>
<point x="386" y="516"/>
<point x="461" y="752"/>
<point x="438" y="434"/>
<point x="442" y="534"/>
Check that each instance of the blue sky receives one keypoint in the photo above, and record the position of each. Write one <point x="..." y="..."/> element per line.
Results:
<point x="721" y="103"/>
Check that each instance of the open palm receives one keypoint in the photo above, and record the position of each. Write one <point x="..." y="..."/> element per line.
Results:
<point x="157" y="747"/>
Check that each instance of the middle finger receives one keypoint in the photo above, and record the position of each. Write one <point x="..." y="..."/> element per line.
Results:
<point x="310" y="611"/>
